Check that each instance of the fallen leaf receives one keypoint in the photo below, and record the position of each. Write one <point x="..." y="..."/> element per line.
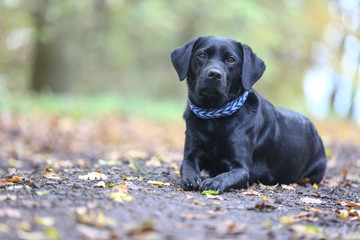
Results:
<point x="93" y="218"/>
<point x="100" y="184"/>
<point x="288" y="187"/>
<point x="343" y="215"/>
<point x="4" y="228"/>
<point x="10" y="213"/>
<point x="352" y="204"/>
<point x="192" y="216"/>
<point x="310" y="200"/>
<point x="44" y="221"/>
<point x="158" y="183"/>
<point x="267" y="187"/>
<point x="41" y="193"/>
<point x="94" y="176"/>
<point x="307" y="232"/>
<point x="189" y="196"/>
<point x="119" y="193"/>
<point x="250" y="192"/>
<point x="302" y="216"/>
<point x="229" y="227"/>
<point x="263" y="207"/>
<point x="14" y="179"/>
<point x="52" y="234"/>
<point x="8" y="197"/>
<point x="139" y="229"/>
<point x="49" y="173"/>
<point x="209" y="196"/>
<point x="91" y="233"/>
<point x="31" y="235"/>
<point x="315" y="186"/>
<point x="210" y="192"/>
<point x="263" y="197"/>
<point x="131" y="178"/>
<point x="314" y="210"/>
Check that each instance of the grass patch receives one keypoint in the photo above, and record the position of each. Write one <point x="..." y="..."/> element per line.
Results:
<point x="97" y="105"/>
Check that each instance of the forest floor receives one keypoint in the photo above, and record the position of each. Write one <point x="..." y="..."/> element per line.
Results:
<point x="118" y="178"/>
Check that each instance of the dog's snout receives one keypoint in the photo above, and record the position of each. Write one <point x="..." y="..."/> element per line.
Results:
<point x="214" y="74"/>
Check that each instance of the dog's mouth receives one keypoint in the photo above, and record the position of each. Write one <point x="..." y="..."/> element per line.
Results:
<point x="210" y="97"/>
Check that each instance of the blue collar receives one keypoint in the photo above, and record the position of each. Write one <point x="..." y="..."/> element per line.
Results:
<point x="226" y="110"/>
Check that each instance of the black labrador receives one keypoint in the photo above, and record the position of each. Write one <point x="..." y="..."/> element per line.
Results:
<point x="232" y="132"/>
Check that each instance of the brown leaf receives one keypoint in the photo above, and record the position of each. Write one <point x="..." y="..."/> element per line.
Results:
<point x="209" y="196"/>
<point x="250" y="192"/>
<point x="10" y="181"/>
<point x="49" y="173"/>
<point x="229" y="227"/>
<point x="352" y="204"/>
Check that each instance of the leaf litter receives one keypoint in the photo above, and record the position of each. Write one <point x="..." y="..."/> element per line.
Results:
<point x="126" y="174"/>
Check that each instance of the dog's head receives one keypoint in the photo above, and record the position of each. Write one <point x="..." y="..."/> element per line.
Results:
<point x="217" y="69"/>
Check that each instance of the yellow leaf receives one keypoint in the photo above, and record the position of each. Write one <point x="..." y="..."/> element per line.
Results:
<point x="119" y="196"/>
<point x="44" y="221"/>
<point x="343" y="215"/>
<point x="315" y="186"/>
<point x="288" y="220"/>
<point x="158" y="183"/>
<point x="263" y="197"/>
<point x="49" y="173"/>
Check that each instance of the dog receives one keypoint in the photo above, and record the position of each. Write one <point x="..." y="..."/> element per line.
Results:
<point x="235" y="135"/>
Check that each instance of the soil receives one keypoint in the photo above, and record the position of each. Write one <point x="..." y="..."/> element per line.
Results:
<point x="118" y="178"/>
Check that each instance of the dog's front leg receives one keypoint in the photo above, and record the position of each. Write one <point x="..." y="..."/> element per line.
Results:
<point x="236" y="178"/>
<point x="190" y="175"/>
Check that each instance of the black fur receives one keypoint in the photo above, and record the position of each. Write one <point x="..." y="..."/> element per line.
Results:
<point x="257" y="143"/>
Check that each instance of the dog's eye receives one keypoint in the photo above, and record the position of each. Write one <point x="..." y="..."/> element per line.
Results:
<point x="230" y="60"/>
<point x="202" y="55"/>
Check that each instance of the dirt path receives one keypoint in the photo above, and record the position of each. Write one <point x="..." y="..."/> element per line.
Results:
<point x="59" y="180"/>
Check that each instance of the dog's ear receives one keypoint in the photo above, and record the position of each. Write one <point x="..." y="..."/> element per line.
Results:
<point x="252" y="68"/>
<point x="181" y="57"/>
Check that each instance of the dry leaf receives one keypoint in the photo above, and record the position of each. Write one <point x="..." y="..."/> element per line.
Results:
<point x="250" y="192"/>
<point x="352" y="204"/>
<point x="14" y="179"/>
<point x="343" y="215"/>
<point x="314" y="210"/>
<point x="209" y="196"/>
<point x="100" y="184"/>
<point x="310" y="200"/>
<point x="93" y="218"/>
<point x="119" y="193"/>
<point x="189" y="196"/>
<point x="49" y="173"/>
<point x="229" y="227"/>
<point x="158" y="183"/>
<point x="94" y="176"/>
<point x="288" y="187"/>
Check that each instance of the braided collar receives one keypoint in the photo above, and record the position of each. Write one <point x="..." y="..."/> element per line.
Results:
<point x="226" y="110"/>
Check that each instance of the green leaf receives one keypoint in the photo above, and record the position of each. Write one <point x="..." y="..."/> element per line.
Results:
<point x="211" y="192"/>
<point x="41" y="193"/>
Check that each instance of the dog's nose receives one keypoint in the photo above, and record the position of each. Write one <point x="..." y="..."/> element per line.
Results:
<point x="214" y="74"/>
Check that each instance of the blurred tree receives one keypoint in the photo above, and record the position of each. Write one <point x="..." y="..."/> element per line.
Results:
<point x="55" y="57"/>
<point x="105" y="45"/>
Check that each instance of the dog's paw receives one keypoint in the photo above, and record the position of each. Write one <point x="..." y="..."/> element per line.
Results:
<point x="212" y="184"/>
<point x="190" y="183"/>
